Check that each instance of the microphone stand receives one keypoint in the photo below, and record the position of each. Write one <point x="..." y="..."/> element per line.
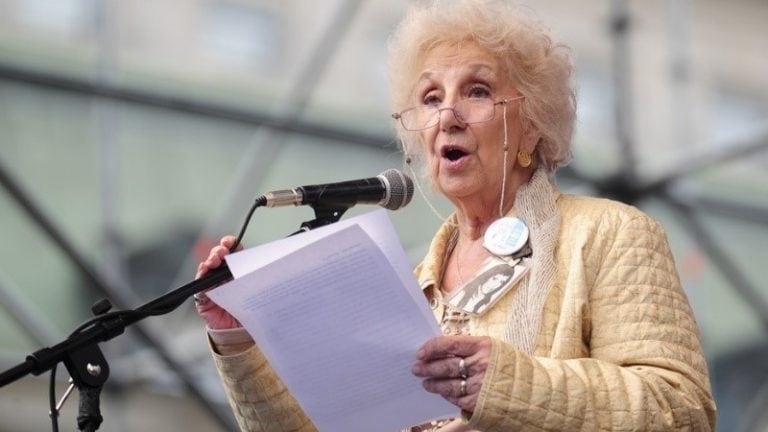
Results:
<point x="81" y="354"/>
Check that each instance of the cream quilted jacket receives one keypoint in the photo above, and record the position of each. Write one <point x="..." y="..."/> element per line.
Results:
<point x="618" y="347"/>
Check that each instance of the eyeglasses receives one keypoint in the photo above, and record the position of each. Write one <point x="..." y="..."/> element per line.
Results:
<point x="467" y="111"/>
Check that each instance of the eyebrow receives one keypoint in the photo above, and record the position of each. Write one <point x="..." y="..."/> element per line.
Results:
<point x="478" y="69"/>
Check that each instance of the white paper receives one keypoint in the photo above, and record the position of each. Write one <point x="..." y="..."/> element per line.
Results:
<point x="376" y="224"/>
<point x="341" y="328"/>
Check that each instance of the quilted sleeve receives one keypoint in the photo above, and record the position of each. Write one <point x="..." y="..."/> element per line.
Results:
<point x="646" y="369"/>
<point x="257" y="396"/>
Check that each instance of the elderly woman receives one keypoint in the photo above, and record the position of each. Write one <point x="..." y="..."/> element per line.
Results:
<point x="586" y="326"/>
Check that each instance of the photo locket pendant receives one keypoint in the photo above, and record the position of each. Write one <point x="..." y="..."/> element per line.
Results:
<point x="505" y="236"/>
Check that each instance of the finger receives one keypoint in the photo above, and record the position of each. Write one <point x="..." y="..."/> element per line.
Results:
<point x="448" y="367"/>
<point x="228" y="241"/>
<point x="452" y="388"/>
<point x="209" y="263"/>
<point x="466" y="403"/>
<point x="202" y="269"/>
<point x="216" y="255"/>
<point x="452" y="346"/>
<point x="220" y="251"/>
<point x="212" y="261"/>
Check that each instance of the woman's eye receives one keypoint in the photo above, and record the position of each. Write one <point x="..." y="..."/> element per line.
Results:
<point x="479" y="92"/>
<point x="431" y="100"/>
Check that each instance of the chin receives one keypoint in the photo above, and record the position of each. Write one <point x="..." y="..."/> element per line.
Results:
<point x="457" y="188"/>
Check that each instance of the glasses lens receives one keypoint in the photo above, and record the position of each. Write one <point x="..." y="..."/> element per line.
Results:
<point x="420" y="118"/>
<point x="474" y="110"/>
<point x="466" y="111"/>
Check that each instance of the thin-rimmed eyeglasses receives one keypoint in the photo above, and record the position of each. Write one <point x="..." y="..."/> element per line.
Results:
<point x="467" y="111"/>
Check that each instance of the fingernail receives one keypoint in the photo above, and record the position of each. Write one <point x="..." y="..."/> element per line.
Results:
<point x="420" y="354"/>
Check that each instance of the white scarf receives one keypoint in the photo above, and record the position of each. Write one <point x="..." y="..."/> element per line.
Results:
<point x="536" y="205"/>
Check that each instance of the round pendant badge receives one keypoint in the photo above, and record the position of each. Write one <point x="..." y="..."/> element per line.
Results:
<point x="505" y="236"/>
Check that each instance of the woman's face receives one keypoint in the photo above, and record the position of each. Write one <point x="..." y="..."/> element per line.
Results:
<point x="467" y="159"/>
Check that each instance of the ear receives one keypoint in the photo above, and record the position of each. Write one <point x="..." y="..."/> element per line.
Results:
<point x="531" y="138"/>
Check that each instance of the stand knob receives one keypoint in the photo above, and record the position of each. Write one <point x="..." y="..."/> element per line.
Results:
<point x="92" y="369"/>
<point x="101" y="307"/>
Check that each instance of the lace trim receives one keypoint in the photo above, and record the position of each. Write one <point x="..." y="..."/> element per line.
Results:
<point x="455" y="322"/>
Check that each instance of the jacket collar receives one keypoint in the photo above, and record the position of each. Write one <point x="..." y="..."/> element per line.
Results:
<point x="429" y="273"/>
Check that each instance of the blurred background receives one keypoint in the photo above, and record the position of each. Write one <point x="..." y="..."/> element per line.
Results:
<point x="133" y="134"/>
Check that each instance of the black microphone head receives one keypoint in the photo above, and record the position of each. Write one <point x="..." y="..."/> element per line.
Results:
<point x="399" y="189"/>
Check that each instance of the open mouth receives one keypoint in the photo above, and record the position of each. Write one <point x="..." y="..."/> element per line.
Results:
<point x="453" y="153"/>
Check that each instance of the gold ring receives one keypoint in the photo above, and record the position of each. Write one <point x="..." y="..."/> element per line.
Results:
<point x="463" y="387"/>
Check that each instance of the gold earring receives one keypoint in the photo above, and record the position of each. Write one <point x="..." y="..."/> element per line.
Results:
<point x="524" y="159"/>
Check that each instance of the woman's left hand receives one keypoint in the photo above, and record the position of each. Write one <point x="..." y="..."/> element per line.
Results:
<point x="439" y="363"/>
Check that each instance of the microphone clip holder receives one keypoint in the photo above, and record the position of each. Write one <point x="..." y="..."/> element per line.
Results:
<point x="324" y="215"/>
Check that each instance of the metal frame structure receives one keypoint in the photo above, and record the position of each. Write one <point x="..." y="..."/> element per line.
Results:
<point x="275" y="128"/>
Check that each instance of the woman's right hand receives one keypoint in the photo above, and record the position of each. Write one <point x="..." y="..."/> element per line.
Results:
<point x="213" y="315"/>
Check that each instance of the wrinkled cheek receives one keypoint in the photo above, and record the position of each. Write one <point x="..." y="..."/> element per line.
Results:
<point x="433" y="167"/>
<point x="426" y="143"/>
<point x="432" y="159"/>
<point x="424" y="158"/>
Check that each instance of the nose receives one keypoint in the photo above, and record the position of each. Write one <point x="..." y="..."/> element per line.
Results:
<point x="449" y="119"/>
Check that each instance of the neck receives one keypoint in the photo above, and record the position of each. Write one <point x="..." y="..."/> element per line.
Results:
<point x="468" y="254"/>
<point x="476" y="212"/>
<point x="472" y="220"/>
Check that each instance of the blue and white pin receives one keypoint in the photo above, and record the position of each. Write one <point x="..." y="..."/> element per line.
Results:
<point x="505" y="236"/>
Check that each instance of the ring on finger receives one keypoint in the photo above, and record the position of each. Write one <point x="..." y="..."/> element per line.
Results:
<point x="463" y="387"/>
<point x="200" y="298"/>
<point x="463" y="373"/>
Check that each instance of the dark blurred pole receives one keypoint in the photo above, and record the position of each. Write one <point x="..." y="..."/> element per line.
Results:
<point x="123" y="297"/>
<point x="750" y="294"/>
<point x="39" y="330"/>
<point x="621" y="25"/>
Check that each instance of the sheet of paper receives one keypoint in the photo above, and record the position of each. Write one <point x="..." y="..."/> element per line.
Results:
<point x="338" y="326"/>
<point x="375" y="223"/>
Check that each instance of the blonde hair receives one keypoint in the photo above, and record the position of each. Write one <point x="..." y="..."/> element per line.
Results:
<point x="540" y="69"/>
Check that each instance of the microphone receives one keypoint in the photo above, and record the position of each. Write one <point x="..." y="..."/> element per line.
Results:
<point x="391" y="189"/>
